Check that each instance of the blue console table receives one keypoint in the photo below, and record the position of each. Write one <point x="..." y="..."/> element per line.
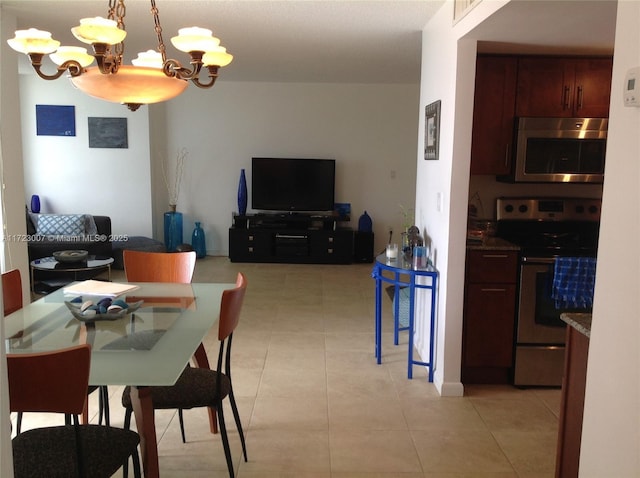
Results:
<point x="400" y="273"/>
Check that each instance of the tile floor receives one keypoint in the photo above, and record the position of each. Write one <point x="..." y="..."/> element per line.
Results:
<point x="314" y="403"/>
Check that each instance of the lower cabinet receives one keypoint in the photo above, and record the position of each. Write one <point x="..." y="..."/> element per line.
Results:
<point x="489" y="316"/>
<point x="295" y="246"/>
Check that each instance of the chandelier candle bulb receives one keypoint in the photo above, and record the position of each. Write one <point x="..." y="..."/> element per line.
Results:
<point x="33" y="41"/>
<point x="73" y="53"/>
<point x="195" y="39"/>
<point x="149" y="58"/>
<point x="98" y="30"/>
<point x="217" y="57"/>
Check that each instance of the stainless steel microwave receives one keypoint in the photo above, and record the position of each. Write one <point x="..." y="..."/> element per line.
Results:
<point x="560" y="150"/>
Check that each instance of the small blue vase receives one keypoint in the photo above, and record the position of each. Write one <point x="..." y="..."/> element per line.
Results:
<point x="198" y="241"/>
<point x="364" y="223"/>
<point x="35" y="203"/>
<point x="242" y="194"/>
<point x="172" y="230"/>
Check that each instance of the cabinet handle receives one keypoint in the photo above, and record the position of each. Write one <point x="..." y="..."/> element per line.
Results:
<point x="506" y="155"/>
<point x="495" y="256"/>
<point x="493" y="290"/>
<point x="579" y="106"/>
<point x="565" y="97"/>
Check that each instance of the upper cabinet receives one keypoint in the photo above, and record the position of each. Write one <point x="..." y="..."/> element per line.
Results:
<point x="510" y="86"/>
<point x="493" y="114"/>
<point x="563" y="87"/>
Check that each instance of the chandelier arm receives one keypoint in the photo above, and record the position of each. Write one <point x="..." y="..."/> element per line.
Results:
<point x="213" y="76"/>
<point x="107" y="62"/>
<point x="74" y="68"/>
<point x="174" y="69"/>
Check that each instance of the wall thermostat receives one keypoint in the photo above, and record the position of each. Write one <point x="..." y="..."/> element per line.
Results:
<point x="632" y="87"/>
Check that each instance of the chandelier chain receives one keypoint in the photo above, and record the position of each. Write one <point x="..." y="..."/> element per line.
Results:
<point x="158" y="29"/>
<point x="117" y="12"/>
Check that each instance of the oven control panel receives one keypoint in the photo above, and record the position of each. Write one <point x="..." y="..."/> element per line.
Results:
<point x="548" y="209"/>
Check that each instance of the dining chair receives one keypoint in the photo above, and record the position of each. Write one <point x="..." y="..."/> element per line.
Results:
<point x="43" y="382"/>
<point x="202" y="387"/>
<point x="142" y="266"/>
<point x="12" y="300"/>
<point x="11" y="291"/>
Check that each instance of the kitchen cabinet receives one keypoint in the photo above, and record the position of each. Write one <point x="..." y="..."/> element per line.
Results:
<point x="489" y="316"/>
<point x="563" y="87"/>
<point x="493" y="114"/>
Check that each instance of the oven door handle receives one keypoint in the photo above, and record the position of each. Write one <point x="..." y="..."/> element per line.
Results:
<point x="539" y="260"/>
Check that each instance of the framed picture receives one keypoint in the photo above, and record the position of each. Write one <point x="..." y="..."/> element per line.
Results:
<point x="108" y="133"/>
<point x="55" y="120"/>
<point x="432" y="130"/>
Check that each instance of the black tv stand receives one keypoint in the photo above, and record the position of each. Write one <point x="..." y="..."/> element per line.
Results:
<point x="290" y="237"/>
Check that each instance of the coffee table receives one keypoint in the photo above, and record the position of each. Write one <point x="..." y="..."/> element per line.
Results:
<point x="50" y="264"/>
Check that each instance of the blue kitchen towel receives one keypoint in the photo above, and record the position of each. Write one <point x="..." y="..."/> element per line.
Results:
<point x="573" y="282"/>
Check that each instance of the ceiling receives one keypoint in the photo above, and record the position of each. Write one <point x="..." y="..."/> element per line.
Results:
<point x="343" y="41"/>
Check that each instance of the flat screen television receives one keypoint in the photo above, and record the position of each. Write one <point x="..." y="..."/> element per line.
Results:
<point x="290" y="184"/>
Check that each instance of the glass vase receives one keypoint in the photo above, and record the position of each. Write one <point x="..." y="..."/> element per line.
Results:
<point x="198" y="241"/>
<point x="242" y="194"/>
<point x="172" y="230"/>
<point x="35" y="203"/>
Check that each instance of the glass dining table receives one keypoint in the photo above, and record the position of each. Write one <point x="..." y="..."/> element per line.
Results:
<point x="148" y="347"/>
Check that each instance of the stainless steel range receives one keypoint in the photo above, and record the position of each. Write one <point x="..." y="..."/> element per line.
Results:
<point x="544" y="228"/>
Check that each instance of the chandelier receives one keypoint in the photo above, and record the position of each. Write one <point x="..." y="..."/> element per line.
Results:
<point x="151" y="78"/>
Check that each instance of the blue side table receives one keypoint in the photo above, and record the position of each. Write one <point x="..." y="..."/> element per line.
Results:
<point x="400" y="274"/>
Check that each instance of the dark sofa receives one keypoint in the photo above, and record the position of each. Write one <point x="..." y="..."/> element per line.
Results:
<point x="97" y="242"/>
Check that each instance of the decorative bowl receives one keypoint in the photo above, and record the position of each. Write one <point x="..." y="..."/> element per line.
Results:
<point x="77" y="255"/>
<point x="92" y="316"/>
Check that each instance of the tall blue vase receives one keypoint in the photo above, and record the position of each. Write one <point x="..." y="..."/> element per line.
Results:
<point x="172" y="230"/>
<point x="198" y="241"/>
<point x="242" y="194"/>
<point x="35" y="203"/>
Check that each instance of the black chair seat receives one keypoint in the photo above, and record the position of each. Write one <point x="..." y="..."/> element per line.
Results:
<point x="51" y="452"/>
<point x="195" y="388"/>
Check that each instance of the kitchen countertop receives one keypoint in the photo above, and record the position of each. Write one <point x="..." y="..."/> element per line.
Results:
<point x="492" y="244"/>
<point x="580" y="322"/>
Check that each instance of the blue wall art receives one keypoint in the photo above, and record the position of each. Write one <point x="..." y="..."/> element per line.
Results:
<point x="55" y="120"/>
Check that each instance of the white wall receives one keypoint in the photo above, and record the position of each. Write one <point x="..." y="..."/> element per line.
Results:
<point x="442" y="186"/>
<point x="371" y="130"/>
<point x="610" y="436"/>
<point x="69" y="176"/>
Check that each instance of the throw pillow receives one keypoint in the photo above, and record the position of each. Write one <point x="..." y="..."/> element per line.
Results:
<point x="61" y="224"/>
<point x="90" y="227"/>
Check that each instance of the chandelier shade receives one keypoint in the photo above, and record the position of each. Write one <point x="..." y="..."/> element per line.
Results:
<point x="152" y="78"/>
<point x="132" y="85"/>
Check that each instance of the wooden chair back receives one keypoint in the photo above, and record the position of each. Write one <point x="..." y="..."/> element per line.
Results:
<point x="140" y="266"/>
<point x="11" y="291"/>
<point x="54" y="381"/>
<point x="230" y="306"/>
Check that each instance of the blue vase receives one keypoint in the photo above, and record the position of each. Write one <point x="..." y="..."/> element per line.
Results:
<point x="198" y="241"/>
<point x="35" y="203"/>
<point x="242" y="194"/>
<point x="172" y="230"/>
<point x="364" y="223"/>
